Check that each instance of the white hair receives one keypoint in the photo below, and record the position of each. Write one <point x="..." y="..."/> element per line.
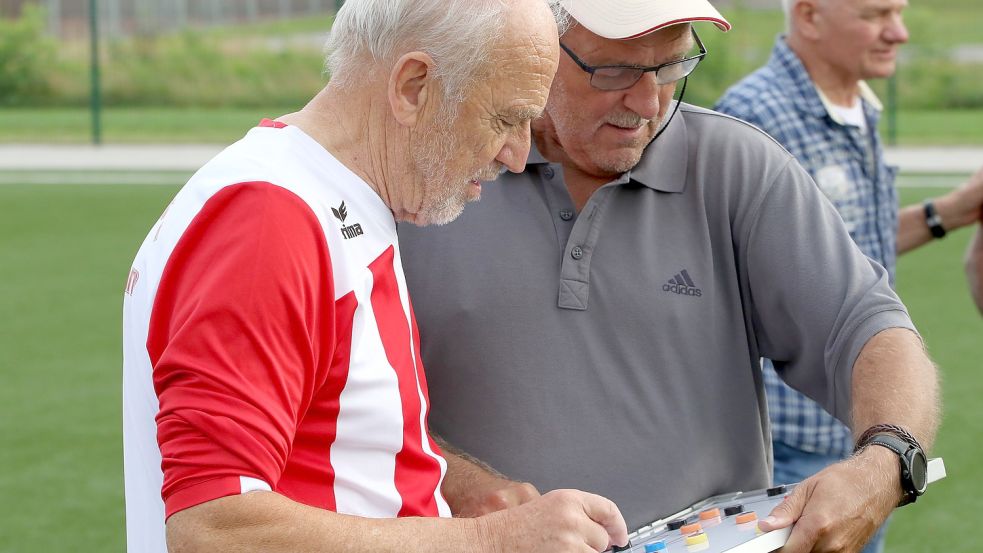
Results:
<point x="564" y="21"/>
<point x="457" y="34"/>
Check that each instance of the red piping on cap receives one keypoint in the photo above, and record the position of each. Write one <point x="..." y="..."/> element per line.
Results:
<point x="715" y="21"/>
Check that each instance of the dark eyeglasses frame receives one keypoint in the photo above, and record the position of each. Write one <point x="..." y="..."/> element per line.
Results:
<point x="641" y="70"/>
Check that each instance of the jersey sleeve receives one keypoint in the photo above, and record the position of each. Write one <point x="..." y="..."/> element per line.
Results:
<point x="816" y="298"/>
<point x="237" y="341"/>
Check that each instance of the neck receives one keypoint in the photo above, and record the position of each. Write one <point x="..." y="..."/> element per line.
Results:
<point x="580" y="184"/>
<point x="353" y="126"/>
<point x="839" y="87"/>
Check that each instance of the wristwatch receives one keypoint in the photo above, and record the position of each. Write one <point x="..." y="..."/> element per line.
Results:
<point x="914" y="464"/>
<point x="933" y="220"/>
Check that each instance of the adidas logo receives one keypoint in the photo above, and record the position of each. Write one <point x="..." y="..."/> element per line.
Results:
<point x="682" y="284"/>
<point x="350" y="231"/>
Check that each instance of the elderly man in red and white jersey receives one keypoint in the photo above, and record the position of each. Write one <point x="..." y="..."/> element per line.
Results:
<point x="274" y="398"/>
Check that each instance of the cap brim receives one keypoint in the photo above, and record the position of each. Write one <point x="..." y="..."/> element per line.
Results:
<point x="627" y="19"/>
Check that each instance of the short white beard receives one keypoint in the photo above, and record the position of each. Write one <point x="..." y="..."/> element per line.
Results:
<point x="443" y="201"/>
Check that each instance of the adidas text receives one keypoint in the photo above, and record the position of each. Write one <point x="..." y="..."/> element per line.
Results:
<point x="683" y="290"/>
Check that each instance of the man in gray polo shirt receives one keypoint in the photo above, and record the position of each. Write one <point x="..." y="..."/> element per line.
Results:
<point x="597" y="320"/>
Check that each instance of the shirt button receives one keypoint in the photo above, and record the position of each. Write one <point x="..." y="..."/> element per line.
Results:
<point x="577" y="252"/>
<point x="548" y="172"/>
<point x="566" y="214"/>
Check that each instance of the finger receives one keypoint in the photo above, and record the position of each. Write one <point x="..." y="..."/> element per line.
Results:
<point x="605" y="513"/>
<point x="788" y="511"/>
<point x="595" y="536"/>
<point x="804" y="535"/>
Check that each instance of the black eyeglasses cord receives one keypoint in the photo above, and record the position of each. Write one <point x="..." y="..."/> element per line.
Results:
<point x="674" y="110"/>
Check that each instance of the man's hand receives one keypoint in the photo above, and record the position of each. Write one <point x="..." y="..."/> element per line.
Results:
<point x="498" y="494"/>
<point x="561" y="521"/>
<point x="840" y="508"/>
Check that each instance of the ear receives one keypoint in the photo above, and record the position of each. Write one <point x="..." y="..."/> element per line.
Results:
<point x="808" y="19"/>
<point x="410" y="84"/>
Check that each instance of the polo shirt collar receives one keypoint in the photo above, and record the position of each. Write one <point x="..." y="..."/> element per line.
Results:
<point x="663" y="164"/>
<point x="803" y="90"/>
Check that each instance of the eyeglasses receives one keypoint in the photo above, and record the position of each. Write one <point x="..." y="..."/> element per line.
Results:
<point x="619" y="77"/>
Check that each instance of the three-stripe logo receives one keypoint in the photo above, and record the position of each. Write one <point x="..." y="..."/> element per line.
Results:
<point x="682" y="284"/>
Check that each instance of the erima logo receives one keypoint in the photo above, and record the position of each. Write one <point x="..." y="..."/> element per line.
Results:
<point x="346" y="231"/>
<point x="682" y="284"/>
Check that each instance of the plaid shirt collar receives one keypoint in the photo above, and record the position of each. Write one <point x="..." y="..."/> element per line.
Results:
<point x="804" y="93"/>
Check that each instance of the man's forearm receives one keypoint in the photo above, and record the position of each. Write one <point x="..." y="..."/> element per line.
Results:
<point x="894" y="382"/>
<point x="563" y="521"/>
<point x="913" y="231"/>
<point x="974" y="268"/>
<point x="958" y="208"/>
<point x="473" y="488"/>
<point x="269" y="522"/>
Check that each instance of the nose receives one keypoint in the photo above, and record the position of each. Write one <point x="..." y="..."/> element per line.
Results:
<point x="515" y="151"/>
<point x="896" y="32"/>
<point x="643" y="97"/>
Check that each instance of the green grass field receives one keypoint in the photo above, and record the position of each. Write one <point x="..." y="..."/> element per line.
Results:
<point x="64" y="255"/>
<point x="226" y="125"/>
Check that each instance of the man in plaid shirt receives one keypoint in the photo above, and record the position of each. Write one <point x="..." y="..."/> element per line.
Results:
<point x="812" y="98"/>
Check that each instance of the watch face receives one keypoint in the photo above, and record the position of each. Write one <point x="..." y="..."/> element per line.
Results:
<point x="919" y="471"/>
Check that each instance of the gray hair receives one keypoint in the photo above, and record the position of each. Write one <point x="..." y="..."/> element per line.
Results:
<point x="457" y="34"/>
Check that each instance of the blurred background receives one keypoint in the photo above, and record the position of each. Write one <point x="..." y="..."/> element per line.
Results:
<point x="177" y="79"/>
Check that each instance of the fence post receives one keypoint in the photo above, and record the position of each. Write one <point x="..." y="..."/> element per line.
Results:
<point x="96" y="95"/>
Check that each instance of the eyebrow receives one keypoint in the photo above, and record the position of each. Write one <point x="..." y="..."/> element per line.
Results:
<point x="523" y="112"/>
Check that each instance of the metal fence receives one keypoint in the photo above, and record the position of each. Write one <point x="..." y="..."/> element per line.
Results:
<point x="69" y="19"/>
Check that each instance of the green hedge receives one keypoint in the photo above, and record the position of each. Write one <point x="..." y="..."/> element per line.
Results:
<point x="26" y="56"/>
<point x="191" y="69"/>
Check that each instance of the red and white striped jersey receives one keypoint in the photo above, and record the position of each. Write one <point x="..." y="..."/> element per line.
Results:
<point x="269" y="344"/>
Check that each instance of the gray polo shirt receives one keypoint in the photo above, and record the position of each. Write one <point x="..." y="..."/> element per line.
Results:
<point x="616" y="350"/>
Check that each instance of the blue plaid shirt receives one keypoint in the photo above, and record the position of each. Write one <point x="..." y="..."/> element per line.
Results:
<point x="847" y="163"/>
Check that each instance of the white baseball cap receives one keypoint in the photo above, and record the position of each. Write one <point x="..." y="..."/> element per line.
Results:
<point x="625" y="19"/>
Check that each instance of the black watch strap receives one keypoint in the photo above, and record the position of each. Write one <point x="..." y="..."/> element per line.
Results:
<point x="901" y="447"/>
<point x="933" y="220"/>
